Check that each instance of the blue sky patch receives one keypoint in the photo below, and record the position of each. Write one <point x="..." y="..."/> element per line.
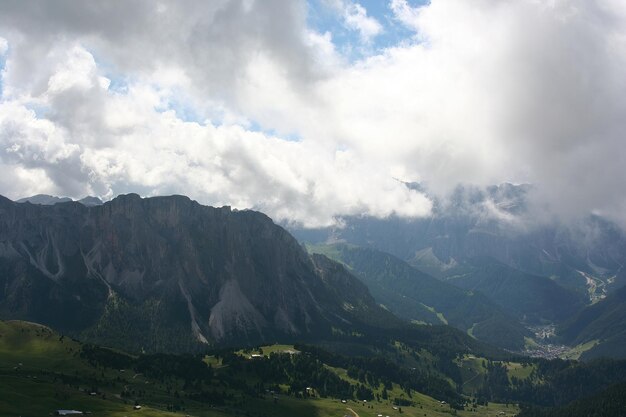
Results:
<point x="325" y="18"/>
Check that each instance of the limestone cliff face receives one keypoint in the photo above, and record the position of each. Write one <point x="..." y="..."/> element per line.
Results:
<point x="167" y="273"/>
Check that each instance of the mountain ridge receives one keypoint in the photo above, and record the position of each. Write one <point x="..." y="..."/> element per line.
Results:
<point x="166" y="273"/>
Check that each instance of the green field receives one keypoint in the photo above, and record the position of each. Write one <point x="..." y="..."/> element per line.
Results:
<point x="268" y="350"/>
<point x="41" y="371"/>
<point x="576" y="351"/>
<point x="518" y="370"/>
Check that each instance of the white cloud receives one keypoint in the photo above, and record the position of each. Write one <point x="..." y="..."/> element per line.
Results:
<point x="96" y="141"/>
<point x="4" y="46"/>
<point x="355" y="17"/>
<point x="487" y="91"/>
<point x="404" y="13"/>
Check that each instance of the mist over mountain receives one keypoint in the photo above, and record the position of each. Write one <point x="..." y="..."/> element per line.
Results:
<point x="494" y="222"/>
<point x="395" y="208"/>
<point x="44" y="199"/>
<point x="543" y="272"/>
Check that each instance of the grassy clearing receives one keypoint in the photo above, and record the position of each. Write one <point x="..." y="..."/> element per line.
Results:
<point x="268" y="350"/>
<point x="330" y="251"/>
<point x="473" y="373"/>
<point x="424" y="406"/>
<point x="518" y="370"/>
<point x="35" y="347"/>
<point x="530" y="343"/>
<point x="576" y="351"/>
<point x="439" y="315"/>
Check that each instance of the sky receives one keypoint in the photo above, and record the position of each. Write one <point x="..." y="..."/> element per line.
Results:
<point x="314" y="110"/>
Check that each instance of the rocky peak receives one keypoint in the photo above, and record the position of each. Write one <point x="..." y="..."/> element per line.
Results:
<point x="168" y="266"/>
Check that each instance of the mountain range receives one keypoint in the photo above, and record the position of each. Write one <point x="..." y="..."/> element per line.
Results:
<point x="49" y="200"/>
<point x="485" y="241"/>
<point x="168" y="274"/>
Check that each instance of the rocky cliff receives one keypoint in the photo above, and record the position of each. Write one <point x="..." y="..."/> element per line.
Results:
<point x="169" y="274"/>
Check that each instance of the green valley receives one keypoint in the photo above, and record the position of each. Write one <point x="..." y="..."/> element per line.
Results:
<point x="42" y="371"/>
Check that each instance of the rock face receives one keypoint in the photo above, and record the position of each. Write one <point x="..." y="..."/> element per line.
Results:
<point x="167" y="274"/>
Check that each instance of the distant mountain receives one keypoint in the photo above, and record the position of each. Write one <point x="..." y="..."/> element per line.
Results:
<point x="531" y="298"/>
<point x="603" y="325"/>
<point x="44" y="199"/>
<point x="414" y="295"/>
<point x="474" y="225"/>
<point x="90" y="201"/>
<point x="168" y="274"/>
<point x="48" y="200"/>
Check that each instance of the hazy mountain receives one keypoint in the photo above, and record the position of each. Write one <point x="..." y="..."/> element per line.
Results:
<point x="167" y="274"/>
<point x="90" y="201"/>
<point x="44" y="199"/>
<point x="48" y="200"/>
<point x="414" y="295"/>
<point x="531" y="298"/>
<point x="476" y="231"/>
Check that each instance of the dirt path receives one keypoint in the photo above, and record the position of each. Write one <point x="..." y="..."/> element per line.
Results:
<point x="352" y="411"/>
<point x="472" y="378"/>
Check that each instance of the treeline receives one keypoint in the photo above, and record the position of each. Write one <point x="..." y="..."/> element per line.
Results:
<point x="299" y="372"/>
<point x="552" y="383"/>
<point x="376" y="370"/>
<point x="305" y="374"/>
<point x="160" y="366"/>
<point x="609" y="403"/>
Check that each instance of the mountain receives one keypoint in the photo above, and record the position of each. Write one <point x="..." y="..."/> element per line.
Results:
<point x="602" y="324"/>
<point x="477" y="231"/>
<point x="168" y="274"/>
<point x="90" y="201"/>
<point x="416" y="296"/>
<point x="531" y="298"/>
<point x="44" y="199"/>
<point x="48" y="200"/>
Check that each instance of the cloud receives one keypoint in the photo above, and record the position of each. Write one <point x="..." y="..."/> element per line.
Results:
<point x="355" y="18"/>
<point x="212" y="42"/>
<point x="97" y="141"/>
<point x="4" y="46"/>
<point x="243" y="103"/>
<point x="405" y="14"/>
<point x="494" y="91"/>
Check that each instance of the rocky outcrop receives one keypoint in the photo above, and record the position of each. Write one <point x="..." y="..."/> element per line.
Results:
<point x="167" y="273"/>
